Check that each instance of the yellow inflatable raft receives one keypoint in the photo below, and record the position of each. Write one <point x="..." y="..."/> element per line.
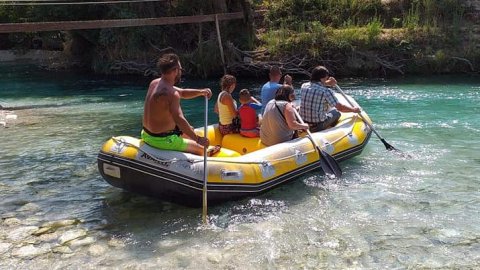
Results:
<point x="244" y="166"/>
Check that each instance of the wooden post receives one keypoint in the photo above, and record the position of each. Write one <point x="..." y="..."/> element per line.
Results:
<point x="200" y="44"/>
<point x="220" y="44"/>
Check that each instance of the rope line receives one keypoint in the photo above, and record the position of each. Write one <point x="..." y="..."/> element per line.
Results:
<point x="122" y="141"/>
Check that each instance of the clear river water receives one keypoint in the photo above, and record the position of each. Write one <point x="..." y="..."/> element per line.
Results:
<point x="386" y="212"/>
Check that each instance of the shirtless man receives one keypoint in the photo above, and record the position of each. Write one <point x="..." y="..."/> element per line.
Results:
<point x="163" y="119"/>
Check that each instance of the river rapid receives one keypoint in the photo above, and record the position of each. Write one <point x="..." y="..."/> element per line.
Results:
<point x="387" y="211"/>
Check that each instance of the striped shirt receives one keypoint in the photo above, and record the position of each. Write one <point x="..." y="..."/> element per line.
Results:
<point x="316" y="102"/>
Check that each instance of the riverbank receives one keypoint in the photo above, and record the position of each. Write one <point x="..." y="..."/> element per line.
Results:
<point x="347" y="63"/>
<point x="372" y="39"/>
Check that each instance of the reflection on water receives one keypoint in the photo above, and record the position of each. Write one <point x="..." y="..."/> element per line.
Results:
<point x="387" y="211"/>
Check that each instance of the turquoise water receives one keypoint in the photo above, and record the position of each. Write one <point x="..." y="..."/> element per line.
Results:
<point x="386" y="212"/>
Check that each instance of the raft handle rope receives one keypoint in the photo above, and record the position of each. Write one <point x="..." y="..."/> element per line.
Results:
<point x="263" y="162"/>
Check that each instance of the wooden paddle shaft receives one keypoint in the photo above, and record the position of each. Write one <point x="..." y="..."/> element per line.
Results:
<point x="205" y="168"/>
<point x="360" y="114"/>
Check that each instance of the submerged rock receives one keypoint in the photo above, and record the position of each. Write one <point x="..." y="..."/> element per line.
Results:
<point x="21" y="233"/>
<point x="81" y="242"/>
<point x="71" y="235"/>
<point x="62" y="250"/>
<point x="12" y="221"/>
<point x="97" y="250"/>
<point x="4" y="247"/>
<point x="214" y="257"/>
<point x="60" y="223"/>
<point x="48" y="237"/>
<point x="29" y="207"/>
<point x="32" y="221"/>
<point x="42" y="231"/>
<point x="30" y="251"/>
<point x="52" y="226"/>
<point x="116" y="243"/>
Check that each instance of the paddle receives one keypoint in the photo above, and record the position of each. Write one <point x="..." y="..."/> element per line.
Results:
<point x="205" y="172"/>
<point x="387" y="145"/>
<point x="327" y="162"/>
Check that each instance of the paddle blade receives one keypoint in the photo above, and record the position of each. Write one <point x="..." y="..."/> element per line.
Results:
<point x="329" y="164"/>
<point x="388" y="146"/>
<point x="391" y="148"/>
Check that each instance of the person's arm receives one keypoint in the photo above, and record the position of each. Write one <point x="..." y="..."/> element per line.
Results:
<point x="215" y="108"/>
<point x="228" y="101"/>
<point x="291" y="119"/>
<point x="333" y="101"/>
<point x="181" y="122"/>
<point x="330" y="82"/>
<point x="345" y="108"/>
<point x="255" y="101"/>
<point x="287" y="79"/>
<point x="193" y="93"/>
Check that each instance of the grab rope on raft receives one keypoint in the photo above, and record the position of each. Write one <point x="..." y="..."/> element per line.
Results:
<point x="263" y="162"/>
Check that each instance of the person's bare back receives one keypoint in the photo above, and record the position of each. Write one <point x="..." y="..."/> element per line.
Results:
<point x="157" y="116"/>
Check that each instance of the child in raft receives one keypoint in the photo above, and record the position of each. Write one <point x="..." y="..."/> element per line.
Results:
<point x="249" y="121"/>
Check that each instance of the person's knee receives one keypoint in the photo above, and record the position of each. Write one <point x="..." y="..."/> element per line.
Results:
<point x="316" y="128"/>
<point x="335" y="114"/>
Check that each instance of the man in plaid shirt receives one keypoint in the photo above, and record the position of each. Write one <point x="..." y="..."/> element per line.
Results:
<point x="319" y="107"/>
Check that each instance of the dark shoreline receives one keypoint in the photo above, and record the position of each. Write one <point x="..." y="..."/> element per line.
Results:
<point x="57" y="61"/>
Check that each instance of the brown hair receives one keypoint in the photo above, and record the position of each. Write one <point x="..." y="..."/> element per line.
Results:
<point x="244" y="96"/>
<point x="284" y="92"/>
<point x="167" y="62"/>
<point x="319" y="73"/>
<point x="275" y="70"/>
<point x="227" y="81"/>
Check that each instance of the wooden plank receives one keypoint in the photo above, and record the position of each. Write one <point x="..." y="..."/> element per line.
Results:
<point x="97" y="24"/>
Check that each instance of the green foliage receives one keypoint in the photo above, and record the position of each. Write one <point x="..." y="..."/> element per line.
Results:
<point x="434" y="13"/>
<point x="339" y="28"/>
<point x="374" y="29"/>
<point x="412" y="18"/>
<point x="440" y="57"/>
<point x="314" y="37"/>
<point x="348" y="13"/>
<point x="329" y="12"/>
<point x="312" y="28"/>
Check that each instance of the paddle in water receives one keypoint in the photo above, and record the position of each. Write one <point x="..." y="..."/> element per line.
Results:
<point x="388" y="146"/>
<point x="327" y="162"/>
